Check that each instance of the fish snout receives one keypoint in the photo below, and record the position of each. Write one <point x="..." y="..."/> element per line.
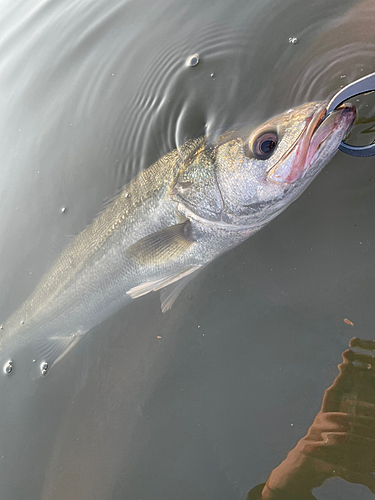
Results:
<point x="319" y="127"/>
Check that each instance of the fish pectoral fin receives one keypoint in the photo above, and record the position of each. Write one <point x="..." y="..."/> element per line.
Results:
<point x="162" y="246"/>
<point x="152" y="286"/>
<point x="52" y="349"/>
<point x="170" y="293"/>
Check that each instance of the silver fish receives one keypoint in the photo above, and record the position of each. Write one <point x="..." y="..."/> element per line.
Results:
<point x="172" y="220"/>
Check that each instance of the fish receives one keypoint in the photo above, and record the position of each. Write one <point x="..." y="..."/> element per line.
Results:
<point x="173" y="219"/>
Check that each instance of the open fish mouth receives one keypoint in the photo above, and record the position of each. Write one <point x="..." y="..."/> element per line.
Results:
<point x="318" y="127"/>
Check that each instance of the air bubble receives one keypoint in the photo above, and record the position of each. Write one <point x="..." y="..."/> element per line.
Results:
<point x="8" y="367"/>
<point x="293" y="40"/>
<point x="22" y="322"/>
<point x="44" y="367"/>
<point x="127" y="195"/>
<point x="64" y="210"/>
<point x="192" y="60"/>
<point x="1" y="327"/>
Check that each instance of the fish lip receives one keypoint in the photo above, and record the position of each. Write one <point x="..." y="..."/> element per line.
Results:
<point x="344" y="113"/>
<point x="306" y="147"/>
<point x="301" y="145"/>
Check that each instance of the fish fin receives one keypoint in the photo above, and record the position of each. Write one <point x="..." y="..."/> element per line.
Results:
<point x="110" y="199"/>
<point x="162" y="246"/>
<point x="170" y="293"/>
<point x="152" y="286"/>
<point x="53" y="349"/>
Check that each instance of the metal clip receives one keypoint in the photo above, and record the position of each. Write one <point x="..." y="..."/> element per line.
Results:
<point x="361" y="86"/>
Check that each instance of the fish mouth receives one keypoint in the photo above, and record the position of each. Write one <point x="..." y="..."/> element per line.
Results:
<point x="318" y="127"/>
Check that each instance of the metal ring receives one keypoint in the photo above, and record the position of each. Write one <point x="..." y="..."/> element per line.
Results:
<point x="361" y="86"/>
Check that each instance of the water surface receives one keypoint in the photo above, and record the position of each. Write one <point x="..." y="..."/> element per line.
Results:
<point x="91" y="94"/>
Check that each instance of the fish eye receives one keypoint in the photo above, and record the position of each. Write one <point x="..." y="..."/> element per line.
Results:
<point x="263" y="146"/>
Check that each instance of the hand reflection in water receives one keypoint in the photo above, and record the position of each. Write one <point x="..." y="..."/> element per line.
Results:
<point x="341" y="440"/>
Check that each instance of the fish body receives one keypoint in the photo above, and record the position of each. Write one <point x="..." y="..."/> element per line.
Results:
<point x="192" y="205"/>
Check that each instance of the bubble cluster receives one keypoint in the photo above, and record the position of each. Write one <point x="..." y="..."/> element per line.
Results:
<point x="44" y="367"/>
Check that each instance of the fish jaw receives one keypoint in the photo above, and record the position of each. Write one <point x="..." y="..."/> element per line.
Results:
<point x="318" y="129"/>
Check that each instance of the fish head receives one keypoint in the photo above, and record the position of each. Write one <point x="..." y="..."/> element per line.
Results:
<point x="261" y="173"/>
<point x="247" y="178"/>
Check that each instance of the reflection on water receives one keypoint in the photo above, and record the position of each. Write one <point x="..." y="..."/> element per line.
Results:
<point x="341" y="440"/>
<point x="364" y="131"/>
<point x="203" y="401"/>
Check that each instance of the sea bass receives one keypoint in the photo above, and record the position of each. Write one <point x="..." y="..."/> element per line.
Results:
<point x="191" y="206"/>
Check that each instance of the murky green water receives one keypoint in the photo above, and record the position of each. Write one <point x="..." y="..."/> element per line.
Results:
<point x="92" y="93"/>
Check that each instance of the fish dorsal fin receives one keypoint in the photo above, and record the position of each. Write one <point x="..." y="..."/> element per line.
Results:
<point x="170" y="293"/>
<point x="111" y="198"/>
<point x="162" y="246"/>
<point x="152" y="286"/>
